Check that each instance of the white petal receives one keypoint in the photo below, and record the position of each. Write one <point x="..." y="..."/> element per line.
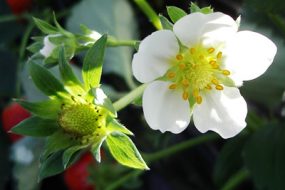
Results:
<point x="100" y="96"/>
<point x="154" y="55"/>
<point x="95" y="35"/>
<point x="164" y="109"/>
<point x="248" y="55"/>
<point x="191" y="28"/>
<point x="221" y="111"/>
<point x="48" y="47"/>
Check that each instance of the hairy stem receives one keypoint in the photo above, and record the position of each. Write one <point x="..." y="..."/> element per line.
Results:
<point x="149" y="12"/>
<point x="129" y="98"/>
<point x="236" y="179"/>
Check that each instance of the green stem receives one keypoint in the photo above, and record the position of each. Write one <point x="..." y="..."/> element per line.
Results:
<point x="236" y="179"/>
<point x="9" y="18"/>
<point x="149" y="12"/>
<point x="115" y="43"/>
<point x="164" y="154"/>
<point x="22" y="50"/>
<point x="129" y="98"/>
<point x="124" y="179"/>
<point x="180" y="147"/>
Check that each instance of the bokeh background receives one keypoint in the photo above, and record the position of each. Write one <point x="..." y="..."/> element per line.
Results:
<point x="253" y="160"/>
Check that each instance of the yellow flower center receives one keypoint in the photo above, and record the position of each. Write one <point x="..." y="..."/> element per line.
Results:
<point x="195" y="70"/>
<point x="83" y="120"/>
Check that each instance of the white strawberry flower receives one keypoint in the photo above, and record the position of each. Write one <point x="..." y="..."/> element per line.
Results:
<point x="196" y="69"/>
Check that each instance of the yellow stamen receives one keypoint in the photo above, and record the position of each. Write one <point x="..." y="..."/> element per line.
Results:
<point x="199" y="99"/>
<point x="196" y="93"/>
<point x="226" y="72"/>
<point x="201" y="57"/>
<point x="219" y="87"/>
<point x="185" y="95"/>
<point x="215" y="66"/>
<point x="171" y="74"/>
<point x="185" y="82"/>
<point x="182" y="66"/>
<point x="179" y="57"/>
<point x="219" y="55"/>
<point x="208" y="87"/>
<point x="211" y="50"/>
<point x="172" y="86"/>
<point x="212" y="62"/>
<point x="192" y="50"/>
<point x="215" y="81"/>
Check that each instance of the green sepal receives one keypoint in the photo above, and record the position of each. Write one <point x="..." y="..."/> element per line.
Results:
<point x="205" y="10"/>
<point x="175" y="13"/>
<point x="61" y="30"/>
<point x="137" y="45"/>
<point x="38" y="38"/>
<point x="85" y="30"/>
<point x="69" y="44"/>
<point x="69" y="153"/>
<point x="101" y="99"/>
<point x="36" y="127"/>
<point x="138" y="101"/>
<point x="48" y="109"/>
<point x="57" y="142"/>
<point x="53" y="164"/>
<point x="92" y="64"/>
<point x="124" y="151"/>
<point x="227" y="81"/>
<point x="45" y="81"/>
<point x="95" y="149"/>
<point x="115" y="126"/>
<point x="166" y="24"/>
<point x="69" y="78"/>
<point x="45" y="27"/>
<point x="35" y="47"/>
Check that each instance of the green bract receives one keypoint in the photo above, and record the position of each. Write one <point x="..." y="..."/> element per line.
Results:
<point x="77" y="116"/>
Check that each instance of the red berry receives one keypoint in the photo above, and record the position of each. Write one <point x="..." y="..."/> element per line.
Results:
<point x="19" y="6"/>
<point x="76" y="177"/>
<point x="11" y="116"/>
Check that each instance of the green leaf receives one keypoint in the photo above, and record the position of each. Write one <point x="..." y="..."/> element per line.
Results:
<point x="45" y="27"/>
<point x="45" y="81"/>
<point x="195" y="8"/>
<point x="95" y="149"/>
<point x="175" y="13"/>
<point x="264" y="156"/>
<point x="124" y="151"/>
<point x="36" y="127"/>
<point x="69" y="153"/>
<point x="48" y="109"/>
<point x="166" y="24"/>
<point x="229" y="160"/>
<point x="92" y="64"/>
<point x="69" y="78"/>
<point x="115" y="126"/>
